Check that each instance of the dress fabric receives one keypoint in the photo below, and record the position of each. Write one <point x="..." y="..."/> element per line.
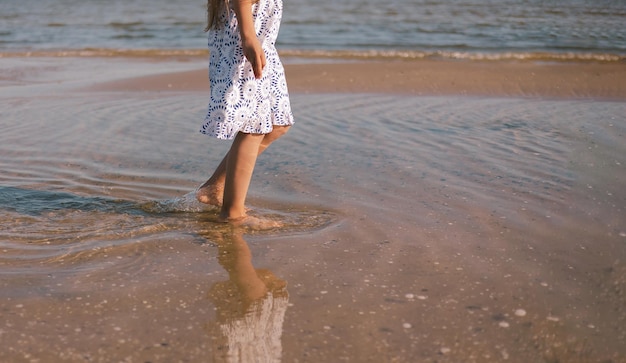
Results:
<point x="240" y="102"/>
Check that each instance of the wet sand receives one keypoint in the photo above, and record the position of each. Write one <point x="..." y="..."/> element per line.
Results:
<point x="437" y="212"/>
<point x="523" y="79"/>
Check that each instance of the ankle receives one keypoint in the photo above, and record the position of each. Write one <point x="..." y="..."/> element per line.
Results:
<point x="232" y="214"/>
<point x="215" y="184"/>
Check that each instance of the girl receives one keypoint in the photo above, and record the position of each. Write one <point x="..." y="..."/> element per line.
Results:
<point x="249" y="99"/>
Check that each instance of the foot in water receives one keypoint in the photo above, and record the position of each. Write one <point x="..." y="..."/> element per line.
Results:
<point x="254" y="223"/>
<point x="211" y="194"/>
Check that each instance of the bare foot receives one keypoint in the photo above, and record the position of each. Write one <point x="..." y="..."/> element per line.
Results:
<point x="210" y="194"/>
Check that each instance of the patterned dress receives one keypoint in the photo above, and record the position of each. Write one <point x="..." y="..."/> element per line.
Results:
<point x="240" y="102"/>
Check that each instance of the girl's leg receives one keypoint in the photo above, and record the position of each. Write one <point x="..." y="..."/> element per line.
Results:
<point x="239" y="167"/>
<point x="212" y="191"/>
<point x="268" y="139"/>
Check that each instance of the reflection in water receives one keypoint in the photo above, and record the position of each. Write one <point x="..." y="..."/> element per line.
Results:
<point x="250" y="305"/>
<point x="46" y="232"/>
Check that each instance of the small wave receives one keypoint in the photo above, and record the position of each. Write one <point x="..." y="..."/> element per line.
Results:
<point x="38" y="202"/>
<point x="280" y="219"/>
<point x="295" y="220"/>
<point x="335" y="54"/>
<point x="105" y="53"/>
<point x="456" y="55"/>
<point x="185" y="204"/>
<point x="131" y="24"/>
<point x="134" y="36"/>
<point x="58" y="231"/>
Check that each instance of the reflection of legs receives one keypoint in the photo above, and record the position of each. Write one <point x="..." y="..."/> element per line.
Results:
<point x="251" y="301"/>
<point x="212" y="191"/>
<point x="236" y="258"/>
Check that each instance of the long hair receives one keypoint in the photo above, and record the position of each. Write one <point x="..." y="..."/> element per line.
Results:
<point x="214" y="9"/>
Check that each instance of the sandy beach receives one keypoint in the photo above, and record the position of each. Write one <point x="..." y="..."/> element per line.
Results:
<point x="434" y="211"/>
<point x="497" y="79"/>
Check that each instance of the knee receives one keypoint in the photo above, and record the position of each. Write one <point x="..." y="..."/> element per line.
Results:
<point x="280" y="130"/>
<point x="277" y="132"/>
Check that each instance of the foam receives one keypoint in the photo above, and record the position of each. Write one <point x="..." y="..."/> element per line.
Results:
<point x="396" y="54"/>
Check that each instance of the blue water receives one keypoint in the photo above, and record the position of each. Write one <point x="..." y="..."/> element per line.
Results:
<point x="509" y="29"/>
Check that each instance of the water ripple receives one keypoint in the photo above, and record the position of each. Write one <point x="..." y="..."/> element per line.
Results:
<point x="46" y="231"/>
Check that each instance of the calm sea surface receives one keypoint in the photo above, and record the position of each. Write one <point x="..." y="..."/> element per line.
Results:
<point x="498" y="29"/>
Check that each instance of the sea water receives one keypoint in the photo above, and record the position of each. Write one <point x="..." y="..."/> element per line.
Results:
<point x="475" y="29"/>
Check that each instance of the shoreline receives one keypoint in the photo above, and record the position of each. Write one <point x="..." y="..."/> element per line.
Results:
<point x="423" y="77"/>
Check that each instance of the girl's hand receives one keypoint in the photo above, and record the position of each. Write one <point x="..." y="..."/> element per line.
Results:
<point x="254" y="53"/>
<point x="249" y="42"/>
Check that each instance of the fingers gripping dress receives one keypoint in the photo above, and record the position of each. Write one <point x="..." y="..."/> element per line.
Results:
<point x="240" y="102"/>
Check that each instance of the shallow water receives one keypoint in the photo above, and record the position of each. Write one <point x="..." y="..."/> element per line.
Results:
<point x="409" y="222"/>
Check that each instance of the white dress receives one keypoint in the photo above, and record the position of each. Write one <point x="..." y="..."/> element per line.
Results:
<point x="240" y="102"/>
